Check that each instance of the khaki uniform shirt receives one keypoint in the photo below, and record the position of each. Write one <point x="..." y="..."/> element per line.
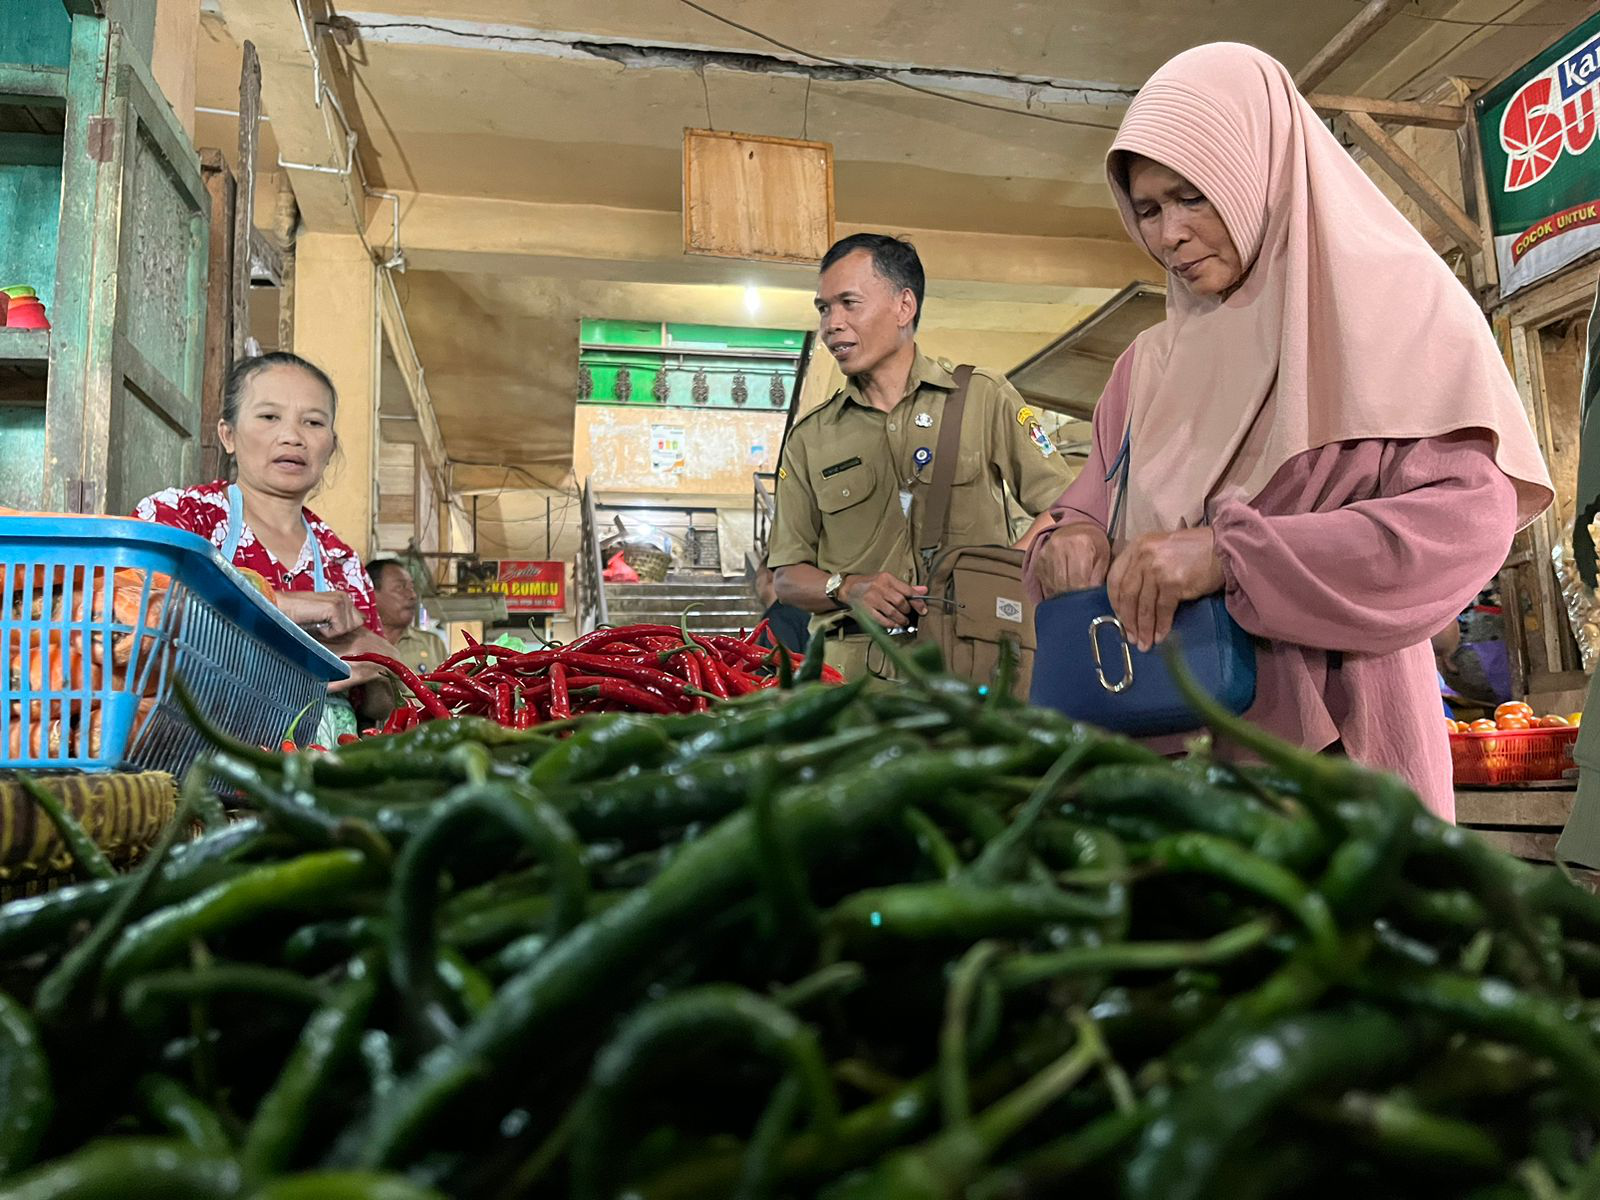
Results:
<point x="853" y="481"/>
<point x="420" y="651"/>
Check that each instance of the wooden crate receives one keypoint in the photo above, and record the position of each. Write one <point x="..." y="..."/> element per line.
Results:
<point x="1526" y="822"/>
<point x="747" y="196"/>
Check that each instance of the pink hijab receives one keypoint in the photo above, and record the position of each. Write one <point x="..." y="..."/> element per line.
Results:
<point x="1348" y="326"/>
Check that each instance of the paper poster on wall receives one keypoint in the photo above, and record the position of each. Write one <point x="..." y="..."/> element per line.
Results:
<point x="666" y="449"/>
<point x="758" y="455"/>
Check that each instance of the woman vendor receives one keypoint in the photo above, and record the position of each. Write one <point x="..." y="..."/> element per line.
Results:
<point x="1322" y="429"/>
<point x="277" y="423"/>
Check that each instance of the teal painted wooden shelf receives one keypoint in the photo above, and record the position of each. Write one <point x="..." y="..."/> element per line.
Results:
<point x="24" y="346"/>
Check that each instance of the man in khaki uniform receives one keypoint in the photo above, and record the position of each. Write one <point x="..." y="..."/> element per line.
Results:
<point x="396" y="595"/>
<point x="855" y="472"/>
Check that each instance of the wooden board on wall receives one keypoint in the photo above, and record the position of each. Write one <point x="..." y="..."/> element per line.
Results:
<point x="748" y="196"/>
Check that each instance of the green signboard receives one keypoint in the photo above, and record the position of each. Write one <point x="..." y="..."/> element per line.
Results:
<point x="1538" y="130"/>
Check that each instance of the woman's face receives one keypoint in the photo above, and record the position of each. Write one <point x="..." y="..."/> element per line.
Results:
<point x="1182" y="229"/>
<point x="284" y="436"/>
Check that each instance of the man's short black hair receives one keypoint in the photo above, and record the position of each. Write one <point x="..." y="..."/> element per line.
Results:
<point x="894" y="259"/>
<point x="378" y="566"/>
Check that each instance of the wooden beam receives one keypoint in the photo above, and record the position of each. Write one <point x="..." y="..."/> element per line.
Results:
<point x="1392" y="112"/>
<point x="219" y="308"/>
<point x="1347" y="41"/>
<point x="311" y="134"/>
<point x="1413" y="180"/>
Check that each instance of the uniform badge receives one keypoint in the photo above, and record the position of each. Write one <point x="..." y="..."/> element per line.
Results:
<point x="1040" y="438"/>
<point x="924" y="420"/>
<point x="922" y="457"/>
<point x="1024" y="415"/>
<point x="782" y="474"/>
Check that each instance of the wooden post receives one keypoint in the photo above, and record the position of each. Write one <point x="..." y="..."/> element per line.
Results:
<point x="244" y="222"/>
<point x="1413" y="180"/>
<point x="220" y="312"/>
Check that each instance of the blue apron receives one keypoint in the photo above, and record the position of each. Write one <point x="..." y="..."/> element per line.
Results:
<point x="337" y="715"/>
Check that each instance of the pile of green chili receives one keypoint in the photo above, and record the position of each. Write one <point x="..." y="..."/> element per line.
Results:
<point x="820" y="941"/>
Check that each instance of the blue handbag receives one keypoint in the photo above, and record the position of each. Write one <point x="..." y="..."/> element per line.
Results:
<point x="1085" y="667"/>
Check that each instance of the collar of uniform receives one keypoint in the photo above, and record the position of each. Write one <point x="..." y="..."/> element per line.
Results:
<point x="925" y="372"/>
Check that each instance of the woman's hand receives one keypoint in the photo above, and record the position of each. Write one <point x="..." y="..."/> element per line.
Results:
<point x="1155" y="574"/>
<point x="326" y="616"/>
<point x="1074" y="557"/>
<point x="361" y="641"/>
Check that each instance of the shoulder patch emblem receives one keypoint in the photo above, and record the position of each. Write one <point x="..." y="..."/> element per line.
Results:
<point x="1041" y="439"/>
<point x="782" y="474"/>
<point x="1024" y="415"/>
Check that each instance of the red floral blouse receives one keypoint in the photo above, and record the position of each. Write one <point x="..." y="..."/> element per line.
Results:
<point x="204" y="510"/>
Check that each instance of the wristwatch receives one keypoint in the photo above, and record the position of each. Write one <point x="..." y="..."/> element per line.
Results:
<point x="831" y="588"/>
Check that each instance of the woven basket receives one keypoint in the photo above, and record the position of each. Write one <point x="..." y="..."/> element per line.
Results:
<point x="123" y="814"/>
<point x="649" y="561"/>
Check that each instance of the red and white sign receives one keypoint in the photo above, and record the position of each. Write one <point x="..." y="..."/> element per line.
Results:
<point x="528" y="586"/>
<point x="1551" y="114"/>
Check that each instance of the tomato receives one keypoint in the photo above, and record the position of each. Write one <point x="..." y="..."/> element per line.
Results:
<point x="1451" y="726"/>
<point x="1483" y="725"/>
<point x="1513" y="721"/>
<point x="1552" y="722"/>
<point x="1513" y="708"/>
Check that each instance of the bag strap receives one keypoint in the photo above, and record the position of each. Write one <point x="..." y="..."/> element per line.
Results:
<point x="936" y="512"/>
<point x="1119" y="472"/>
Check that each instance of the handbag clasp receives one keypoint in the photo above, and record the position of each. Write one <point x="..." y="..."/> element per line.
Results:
<point x="1126" y="681"/>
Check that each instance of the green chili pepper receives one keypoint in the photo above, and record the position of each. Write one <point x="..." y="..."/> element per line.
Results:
<point x="807" y="711"/>
<point x="704" y="878"/>
<point x="344" y="1185"/>
<point x="955" y="1094"/>
<point x="1193" y="1133"/>
<point x="699" y="1015"/>
<point x="144" y="998"/>
<point x="115" y="1169"/>
<point x="938" y="910"/>
<point x="183" y="1114"/>
<point x="1024" y="970"/>
<point x="26" y="1099"/>
<point x="304" y="884"/>
<point x="1399" y="1129"/>
<point x="91" y="860"/>
<point x="298" y="812"/>
<point x="1220" y="859"/>
<point x="816" y="655"/>
<point x="624" y="740"/>
<point x="413" y="940"/>
<point x="329" y="1038"/>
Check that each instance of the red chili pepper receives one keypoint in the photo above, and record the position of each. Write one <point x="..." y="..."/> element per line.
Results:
<point x="619" y="691"/>
<point x="756" y="633"/>
<point x="472" y="642"/>
<point x="424" y="694"/>
<point x="502" y="703"/>
<point x="716" y="681"/>
<point x="696" y="680"/>
<point x="289" y="746"/>
<point x="625" y="668"/>
<point x="741" y="683"/>
<point x="560" y="698"/>
<point x="348" y="739"/>
<point x="527" y="716"/>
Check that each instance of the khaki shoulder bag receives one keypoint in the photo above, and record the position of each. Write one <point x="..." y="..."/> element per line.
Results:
<point x="976" y="599"/>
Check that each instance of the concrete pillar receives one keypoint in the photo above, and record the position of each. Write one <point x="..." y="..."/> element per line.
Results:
<point x="336" y="327"/>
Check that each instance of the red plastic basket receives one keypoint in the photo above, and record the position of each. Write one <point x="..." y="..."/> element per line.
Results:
<point x="1512" y="755"/>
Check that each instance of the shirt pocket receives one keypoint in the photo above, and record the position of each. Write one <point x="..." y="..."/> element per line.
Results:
<point x="844" y="490"/>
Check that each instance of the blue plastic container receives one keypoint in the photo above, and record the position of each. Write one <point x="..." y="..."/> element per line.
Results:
<point x="77" y="669"/>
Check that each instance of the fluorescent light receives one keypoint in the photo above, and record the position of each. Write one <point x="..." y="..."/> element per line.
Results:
<point x="752" y="299"/>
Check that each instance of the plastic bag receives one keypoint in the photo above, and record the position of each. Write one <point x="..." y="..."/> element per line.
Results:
<point x="1583" y="612"/>
<point x="618" y="571"/>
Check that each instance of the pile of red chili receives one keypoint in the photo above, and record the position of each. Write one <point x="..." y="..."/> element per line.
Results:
<point x="630" y="668"/>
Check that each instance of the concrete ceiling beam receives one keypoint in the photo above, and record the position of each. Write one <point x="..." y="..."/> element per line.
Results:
<point x="453" y="233"/>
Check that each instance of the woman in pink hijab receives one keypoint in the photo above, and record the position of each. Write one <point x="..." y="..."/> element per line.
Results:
<point x="1322" y="429"/>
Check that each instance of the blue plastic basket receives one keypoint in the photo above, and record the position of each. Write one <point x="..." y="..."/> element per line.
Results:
<point x="89" y="682"/>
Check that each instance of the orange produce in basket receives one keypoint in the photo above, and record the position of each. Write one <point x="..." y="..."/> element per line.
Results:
<point x="1552" y="722"/>
<point x="1482" y="725"/>
<point x="1513" y="708"/>
<point x="1514" y="721"/>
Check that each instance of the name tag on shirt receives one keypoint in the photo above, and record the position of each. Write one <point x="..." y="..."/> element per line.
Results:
<point x="830" y="472"/>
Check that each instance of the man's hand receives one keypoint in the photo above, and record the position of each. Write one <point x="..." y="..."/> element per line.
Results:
<point x="890" y="599"/>
<point x="1157" y="572"/>
<point x="1072" y="558"/>
<point x="326" y="616"/>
